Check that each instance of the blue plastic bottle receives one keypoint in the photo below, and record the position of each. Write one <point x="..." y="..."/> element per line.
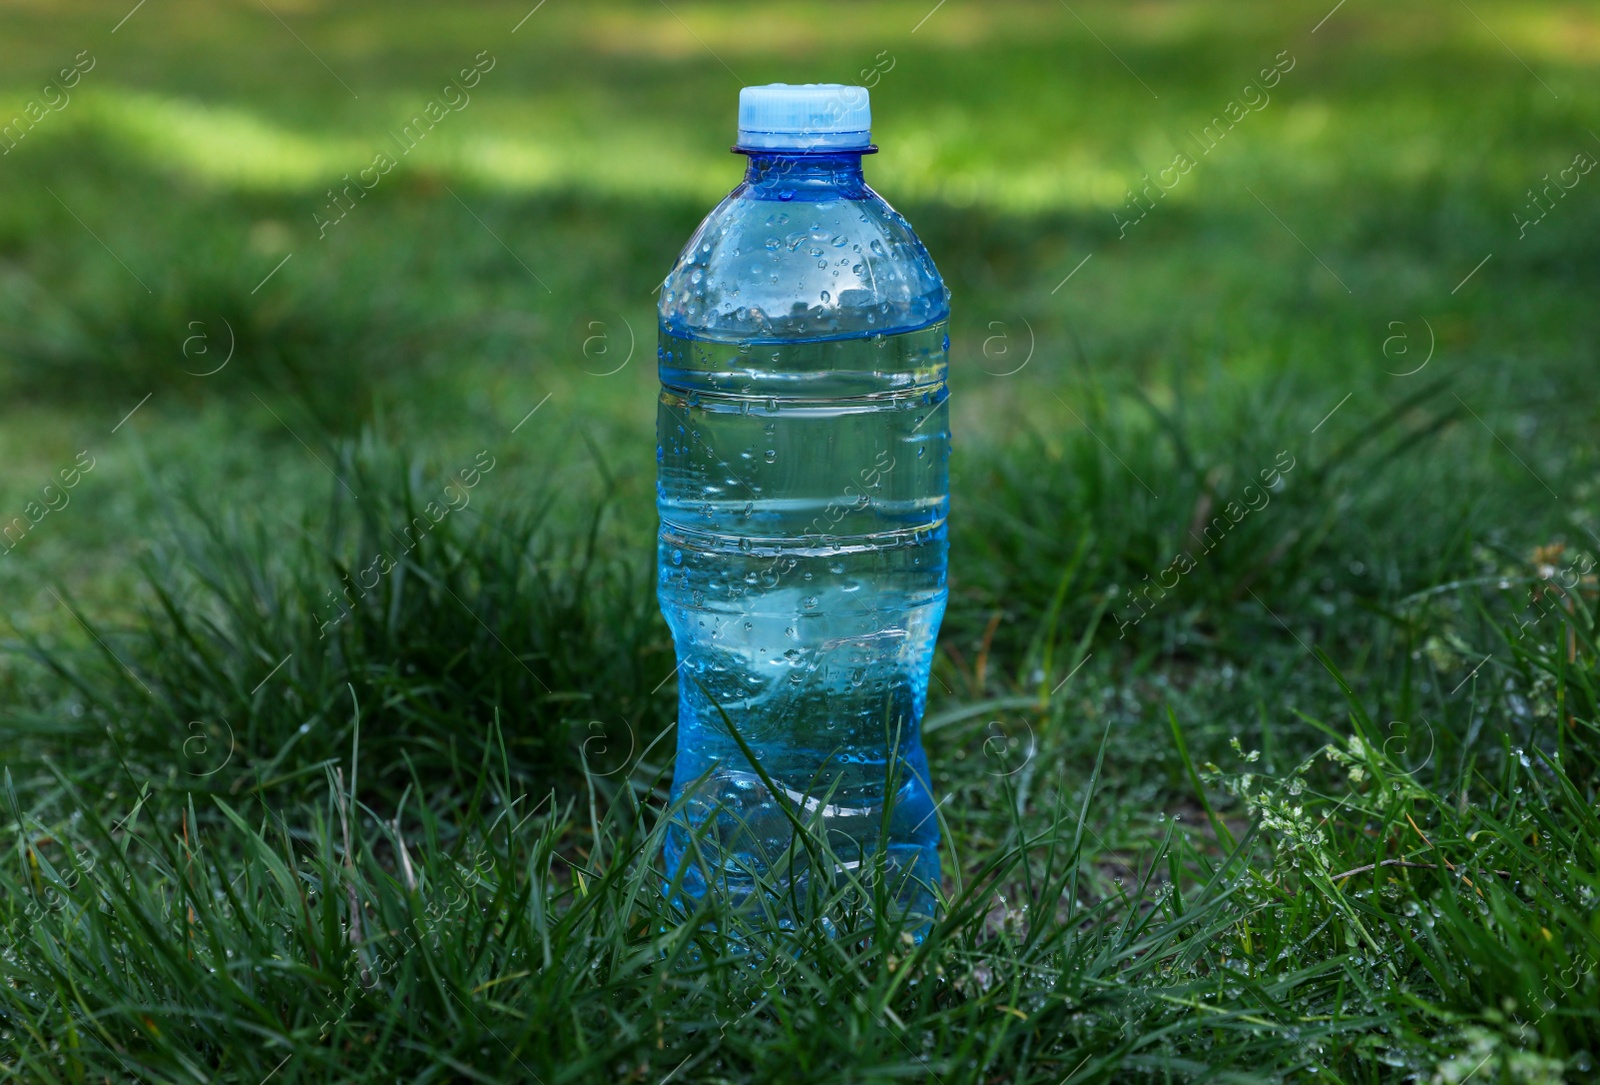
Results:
<point x="803" y="450"/>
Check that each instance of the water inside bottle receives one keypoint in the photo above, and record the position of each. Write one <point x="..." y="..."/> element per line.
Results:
<point x="803" y="490"/>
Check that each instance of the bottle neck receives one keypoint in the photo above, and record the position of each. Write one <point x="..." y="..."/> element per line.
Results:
<point x="776" y="170"/>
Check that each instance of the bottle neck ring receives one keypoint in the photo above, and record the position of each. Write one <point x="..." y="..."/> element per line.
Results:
<point x="768" y="167"/>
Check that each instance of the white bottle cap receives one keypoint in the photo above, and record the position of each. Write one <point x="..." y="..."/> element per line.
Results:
<point x="805" y="117"/>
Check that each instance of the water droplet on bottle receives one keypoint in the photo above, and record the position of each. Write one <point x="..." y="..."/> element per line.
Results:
<point x="826" y="297"/>
<point x="677" y="557"/>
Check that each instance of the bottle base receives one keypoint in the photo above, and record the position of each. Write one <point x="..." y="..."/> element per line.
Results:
<point x="730" y="839"/>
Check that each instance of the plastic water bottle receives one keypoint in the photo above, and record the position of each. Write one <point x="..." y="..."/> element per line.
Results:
<point x="803" y="447"/>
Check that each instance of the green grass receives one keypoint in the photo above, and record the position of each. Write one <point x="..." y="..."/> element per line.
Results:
<point x="1328" y="805"/>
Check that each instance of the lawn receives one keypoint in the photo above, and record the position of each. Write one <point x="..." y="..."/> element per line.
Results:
<point x="1265" y="709"/>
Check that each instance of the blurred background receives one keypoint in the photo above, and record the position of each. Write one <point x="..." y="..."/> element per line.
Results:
<point x="243" y="279"/>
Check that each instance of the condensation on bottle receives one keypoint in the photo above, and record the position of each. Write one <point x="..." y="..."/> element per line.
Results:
<point x="803" y="455"/>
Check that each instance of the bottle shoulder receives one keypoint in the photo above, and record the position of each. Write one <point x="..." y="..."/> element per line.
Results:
<point x="770" y="264"/>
